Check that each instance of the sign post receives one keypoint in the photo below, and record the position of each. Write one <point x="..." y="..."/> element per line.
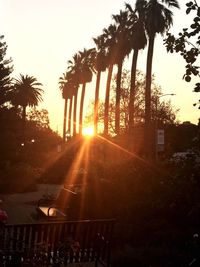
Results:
<point x="160" y="141"/>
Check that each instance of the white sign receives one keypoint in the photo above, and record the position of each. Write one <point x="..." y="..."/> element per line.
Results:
<point x="160" y="137"/>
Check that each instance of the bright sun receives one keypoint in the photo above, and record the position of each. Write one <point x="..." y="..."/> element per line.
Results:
<point x="88" y="131"/>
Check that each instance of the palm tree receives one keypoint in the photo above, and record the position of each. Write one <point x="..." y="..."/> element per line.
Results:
<point x="158" y="19"/>
<point x="87" y="68"/>
<point x="74" y="68"/>
<point x="110" y="42"/>
<point x="81" y="67"/>
<point x="100" y="66"/>
<point x="26" y="92"/>
<point x="75" y="108"/>
<point x="137" y="39"/>
<point x="70" y="114"/>
<point x="123" y="49"/>
<point x="66" y="87"/>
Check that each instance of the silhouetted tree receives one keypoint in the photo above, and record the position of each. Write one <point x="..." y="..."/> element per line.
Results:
<point x="122" y="49"/>
<point x="5" y="71"/>
<point x="82" y="67"/>
<point x="75" y="73"/>
<point x="110" y="39"/>
<point x="165" y="114"/>
<point x="26" y="92"/>
<point x="87" y="68"/>
<point x="158" y="19"/>
<point x="67" y="89"/>
<point x="100" y="66"/>
<point x="40" y="118"/>
<point x="137" y="39"/>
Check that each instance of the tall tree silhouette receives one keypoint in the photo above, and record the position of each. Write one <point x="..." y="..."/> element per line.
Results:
<point x="5" y="71"/>
<point x="123" y="49"/>
<point x="26" y="92"/>
<point x="158" y="19"/>
<point x="137" y="40"/>
<point x="66" y="87"/>
<point x="100" y="66"/>
<point x="109" y="34"/>
<point x="87" y="68"/>
<point x="74" y="68"/>
<point x="83" y="67"/>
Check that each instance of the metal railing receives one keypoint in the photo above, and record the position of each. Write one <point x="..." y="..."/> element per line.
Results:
<point x="56" y="243"/>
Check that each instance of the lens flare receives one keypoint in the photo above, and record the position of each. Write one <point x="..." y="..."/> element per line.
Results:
<point x="88" y="131"/>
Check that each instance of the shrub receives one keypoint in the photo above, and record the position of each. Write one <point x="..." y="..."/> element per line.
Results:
<point x="19" y="177"/>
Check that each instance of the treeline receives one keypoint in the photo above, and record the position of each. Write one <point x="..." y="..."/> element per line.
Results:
<point x="26" y="140"/>
<point x="131" y="31"/>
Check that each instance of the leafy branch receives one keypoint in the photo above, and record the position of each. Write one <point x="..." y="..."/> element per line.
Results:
<point x="189" y="50"/>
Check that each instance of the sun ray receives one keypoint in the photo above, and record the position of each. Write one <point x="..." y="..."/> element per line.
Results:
<point x="84" y="153"/>
<point x="147" y="163"/>
<point x="76" y="165"/>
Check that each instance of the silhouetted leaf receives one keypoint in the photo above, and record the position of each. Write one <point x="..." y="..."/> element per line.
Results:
<point x="187" y="78"/>
<point x="189" y="4"/>
<point x="188" y="10"/>
<point x="198" y="11"/>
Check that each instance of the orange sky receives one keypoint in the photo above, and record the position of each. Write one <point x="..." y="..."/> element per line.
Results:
<point x="42" y="35"/>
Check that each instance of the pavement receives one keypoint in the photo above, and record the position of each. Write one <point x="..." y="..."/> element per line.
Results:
<point x="21" y="207"/>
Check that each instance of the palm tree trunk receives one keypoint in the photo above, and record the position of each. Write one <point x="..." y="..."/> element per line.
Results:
<point x="24" y="123"/>
<point x="96" y="102"/>
<point x="74" y="112"/>
<point x="64" y="121"/>
<point x="147" y="128"/>
<point x="70" y="115"/>
<point x="81" y="109"/>
<point x="118" y="96"/>
<point x="132" y="91"/>
<point x="107" y="99"/>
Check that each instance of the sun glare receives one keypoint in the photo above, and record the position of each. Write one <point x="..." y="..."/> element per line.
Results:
<point x="88" y="131"/>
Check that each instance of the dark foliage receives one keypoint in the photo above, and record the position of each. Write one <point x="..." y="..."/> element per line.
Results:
<point x="181" y="137"/>
<point x="5" y="71"/>
<point x="187" y="44"/>
<point x="157" y="208"/>
<point x="23" y="157"/>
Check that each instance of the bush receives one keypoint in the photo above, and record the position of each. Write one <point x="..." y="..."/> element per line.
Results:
<point x="19" y="178"/>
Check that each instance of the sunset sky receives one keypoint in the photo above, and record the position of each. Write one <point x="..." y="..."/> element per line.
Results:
<point x="42" y="35"/>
